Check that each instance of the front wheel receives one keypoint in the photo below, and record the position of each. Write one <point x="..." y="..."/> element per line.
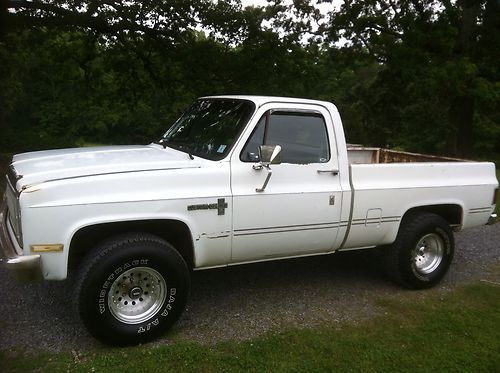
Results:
<point x="422" y="252"/>
<point x="131" y="289"/>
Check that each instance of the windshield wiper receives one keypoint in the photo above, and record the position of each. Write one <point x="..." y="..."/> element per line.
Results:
<point x="182" y="148"/>
<point x="161" y="142"/>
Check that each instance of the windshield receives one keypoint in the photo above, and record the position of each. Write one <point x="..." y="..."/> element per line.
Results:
<point x="209" y="127"/>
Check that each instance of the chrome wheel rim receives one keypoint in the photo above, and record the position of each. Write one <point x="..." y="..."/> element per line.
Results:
<point x="428" y="253"/>
<point x="136" y="295"/>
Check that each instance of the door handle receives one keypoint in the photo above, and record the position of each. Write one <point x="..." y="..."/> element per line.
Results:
<point x="257" y="167"/>
<point x="334" y="172"/>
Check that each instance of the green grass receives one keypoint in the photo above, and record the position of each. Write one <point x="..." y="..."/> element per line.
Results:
<point x="456" y="331"/>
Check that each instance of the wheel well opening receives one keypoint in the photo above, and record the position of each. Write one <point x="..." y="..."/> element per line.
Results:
<point x="451" y="213"/>
<point x="175" y="232"/>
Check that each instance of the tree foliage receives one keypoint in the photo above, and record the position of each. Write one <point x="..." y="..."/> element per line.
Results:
<point x="418" y="75"/>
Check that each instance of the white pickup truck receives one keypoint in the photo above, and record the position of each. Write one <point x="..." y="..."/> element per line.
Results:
<point x="236" y="179"/>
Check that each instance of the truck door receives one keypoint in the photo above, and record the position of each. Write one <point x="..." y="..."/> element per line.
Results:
<point x="298" y="213"/>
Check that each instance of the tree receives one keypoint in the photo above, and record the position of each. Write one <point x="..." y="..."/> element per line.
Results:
<point x="431" y="57"/>
<point x="156" y="19"/>
<point x="419" y="75"/>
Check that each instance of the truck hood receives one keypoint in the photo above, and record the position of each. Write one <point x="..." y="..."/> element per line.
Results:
<point x="36" y="167"/>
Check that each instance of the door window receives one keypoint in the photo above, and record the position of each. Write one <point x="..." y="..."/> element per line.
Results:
<point x="301" y="135"/>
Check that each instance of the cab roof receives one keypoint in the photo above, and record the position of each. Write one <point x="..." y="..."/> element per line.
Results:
<point x="261" y="100"/>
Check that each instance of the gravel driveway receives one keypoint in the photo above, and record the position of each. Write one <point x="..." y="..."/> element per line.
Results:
<point x="244" y="301"/>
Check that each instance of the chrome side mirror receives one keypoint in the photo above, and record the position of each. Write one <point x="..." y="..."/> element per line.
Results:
<point x="268" y="154"/>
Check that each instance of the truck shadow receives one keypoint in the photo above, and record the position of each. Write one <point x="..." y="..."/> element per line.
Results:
<point x="241" y="302"/>
<point x="345" y="267"/>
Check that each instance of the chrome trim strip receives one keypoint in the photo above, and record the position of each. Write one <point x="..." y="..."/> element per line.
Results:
<point x="378" y="221"/>
<point x="12" y="176"/>
<point x="286" y="226"/>
<point x="307" y="227"/>
<point x="286" y="230"/>
<point x="10" y="230"/>
<point x="351" y="210"/>
<point x="391" y="218"/>
<point x="481" y="210"/>
<point x="14" y="214"/>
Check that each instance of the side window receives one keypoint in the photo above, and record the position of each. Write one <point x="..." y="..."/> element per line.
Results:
<point x="250" y="152"/>
<point x="302" y="136"/>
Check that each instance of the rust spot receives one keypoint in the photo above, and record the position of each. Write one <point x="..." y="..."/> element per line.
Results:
<point x="212" y="236"/>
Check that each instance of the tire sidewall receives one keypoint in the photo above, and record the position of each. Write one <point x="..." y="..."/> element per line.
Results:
<point x="432" y="225"/>
<point x="102" y="323"/>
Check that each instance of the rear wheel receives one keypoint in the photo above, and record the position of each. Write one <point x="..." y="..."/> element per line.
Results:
<point x="131" y="289"/>
<point x="422" y="252"/>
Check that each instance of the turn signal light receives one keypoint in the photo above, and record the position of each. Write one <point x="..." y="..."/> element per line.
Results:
<point x="51" y="248"/>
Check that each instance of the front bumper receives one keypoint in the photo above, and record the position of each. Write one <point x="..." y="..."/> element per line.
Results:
<point x="492" y="220"/>
<point x="25" y="268"/>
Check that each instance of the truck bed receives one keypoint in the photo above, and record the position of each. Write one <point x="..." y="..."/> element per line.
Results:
<point x="387" y="183"/>
<point x="358" y="154"/>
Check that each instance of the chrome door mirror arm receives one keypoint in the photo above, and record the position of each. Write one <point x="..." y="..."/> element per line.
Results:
<point x="268" y="155"/>
<point x="269" y="173"/>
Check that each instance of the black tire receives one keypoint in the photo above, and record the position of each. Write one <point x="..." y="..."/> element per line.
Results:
<point x="422" y="252"/>
<point x="116" y="288"/>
